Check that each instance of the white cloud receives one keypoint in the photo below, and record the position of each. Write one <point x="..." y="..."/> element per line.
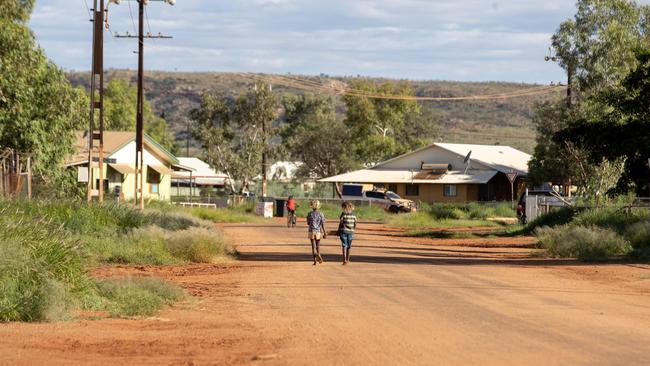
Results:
<point x="419" y="39"/>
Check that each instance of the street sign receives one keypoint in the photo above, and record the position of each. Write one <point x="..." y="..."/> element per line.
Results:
<point x="511" y="176"/>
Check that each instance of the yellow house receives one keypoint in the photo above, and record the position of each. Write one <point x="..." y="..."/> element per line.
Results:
<point x="444" y="172"/>
<point x="119" y="171"/>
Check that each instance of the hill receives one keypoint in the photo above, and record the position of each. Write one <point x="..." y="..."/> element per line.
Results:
<point x="507" y="122"/>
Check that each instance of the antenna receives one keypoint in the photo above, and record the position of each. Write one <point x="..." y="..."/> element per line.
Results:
<point x="467" y="161"/>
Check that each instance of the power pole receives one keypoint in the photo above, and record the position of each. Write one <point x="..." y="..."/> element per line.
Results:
<point x="264" y="164"/>
<point x="187" y="140"/>
<point x="139" y="132"/>
<point x="97" y="77"/>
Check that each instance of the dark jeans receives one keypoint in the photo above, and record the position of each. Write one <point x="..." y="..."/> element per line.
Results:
<point x="346" y="239"/>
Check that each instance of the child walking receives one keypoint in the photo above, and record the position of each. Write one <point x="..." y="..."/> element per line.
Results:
<point x="347" y="224"/>
<point x="316" y="224"/>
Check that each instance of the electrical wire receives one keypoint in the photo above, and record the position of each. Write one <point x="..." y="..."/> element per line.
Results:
<point x="90" y="16"/>
<point x="341" y="88"/>
<point x="146" y="16"/>
<point x="135" y="29"/>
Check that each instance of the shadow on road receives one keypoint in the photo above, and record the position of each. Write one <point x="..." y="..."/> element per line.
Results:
<point x="410" y="258"/>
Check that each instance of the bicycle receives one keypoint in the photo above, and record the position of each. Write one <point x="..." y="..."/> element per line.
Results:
<point x="291" y="219"/>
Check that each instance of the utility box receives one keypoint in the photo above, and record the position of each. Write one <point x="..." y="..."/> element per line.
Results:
<point x="264" y="208"/>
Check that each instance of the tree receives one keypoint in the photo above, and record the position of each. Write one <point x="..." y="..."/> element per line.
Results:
<point x="621" y="135"/>
<point x="596" y="50"/>
<point x="120" y="110"/>
<point x="39" y="110"/>
<point x="235" y="134"/>
<point x="597" y="46"/>
<point x="382" y="128"/>
<point x="313" y="135"/>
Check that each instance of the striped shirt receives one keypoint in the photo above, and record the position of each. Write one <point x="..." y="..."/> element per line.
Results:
<point x="316" y="221"/>
<point x="348" y="222"/>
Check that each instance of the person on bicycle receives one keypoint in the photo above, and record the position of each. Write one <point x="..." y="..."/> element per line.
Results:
<point x="291" y="206"/>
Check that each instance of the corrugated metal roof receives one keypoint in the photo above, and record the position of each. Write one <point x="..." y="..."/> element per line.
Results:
<point x="405" y="176"/>
<point x="499" y="157"/>
<point x="113" y="141"/>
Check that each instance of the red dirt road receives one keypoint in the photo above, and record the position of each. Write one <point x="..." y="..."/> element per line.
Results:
<point x="400" y="301"/>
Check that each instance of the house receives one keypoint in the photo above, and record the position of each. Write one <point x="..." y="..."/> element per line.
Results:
<point x="190" y="182"/>
<point x="445" y="172"/>
<point x="119" y="171"/>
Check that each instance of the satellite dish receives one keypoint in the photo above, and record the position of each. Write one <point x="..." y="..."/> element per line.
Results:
<point x="467" y="161"/>
<point x="467" y="157"/>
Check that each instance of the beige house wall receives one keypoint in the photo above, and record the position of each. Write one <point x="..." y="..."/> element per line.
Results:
<point x="434" y="193"/>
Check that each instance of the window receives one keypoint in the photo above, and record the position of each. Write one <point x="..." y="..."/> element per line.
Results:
<point x="449" y="190"/>
<point x="373" y="194"/>
<point x="153" y="178"/>
<point x="412" y="190"/>
<point x="392" y="187"/>
<point x="392" y="195"/>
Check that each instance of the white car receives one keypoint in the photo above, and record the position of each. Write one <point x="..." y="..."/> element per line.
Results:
<point x="391" y="201"/>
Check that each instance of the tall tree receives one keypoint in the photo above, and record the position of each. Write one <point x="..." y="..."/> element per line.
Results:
<point x="313" y="135"/>
<point x="596" y="48"/>
<point x="382" y="128"/>
<point x="39" y="110"/>
<point x="120" y="111"/>
<point x="234" y="134"/>
<point x="622" y="133"/>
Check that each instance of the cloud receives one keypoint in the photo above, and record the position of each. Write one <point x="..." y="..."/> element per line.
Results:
<point x="418" y="39"/>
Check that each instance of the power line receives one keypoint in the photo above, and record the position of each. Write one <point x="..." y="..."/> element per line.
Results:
<point x="135" y="30"/>
<point x="343" y="89"/>
<point x="87" y="9"/>
<point x="146" y="16"/>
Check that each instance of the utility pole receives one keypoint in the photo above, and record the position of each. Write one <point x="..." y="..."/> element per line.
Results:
<point x="187" y="139"/>
<point x="264" y="163"/>
<point x="139" y="132"/>
<point x="97" y="77"/>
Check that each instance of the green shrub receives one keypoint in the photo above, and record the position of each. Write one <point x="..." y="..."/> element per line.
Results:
<point x="610" y="218"/>
<point x="198" y="245"/>
<point x="41" y="269"/>
<point x="586" y="243"/>
<point x="554" y="218"/>
<point x="225" y="215"/>
<point x="639" y="236"/>
<point x="140" y="246"/>
<point x="173" y="221"/>
<point x="137" y="296"/>
<point x="504" y="209"/>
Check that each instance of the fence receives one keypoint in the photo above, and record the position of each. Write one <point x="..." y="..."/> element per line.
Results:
<point x="15" y="173"/>
<point x="541" y="205"/>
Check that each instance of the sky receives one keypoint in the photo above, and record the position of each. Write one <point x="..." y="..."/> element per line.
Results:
<point x="464" y="40"/>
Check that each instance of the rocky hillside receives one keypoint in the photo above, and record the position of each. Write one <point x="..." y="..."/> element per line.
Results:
<point x="506" y="122"/>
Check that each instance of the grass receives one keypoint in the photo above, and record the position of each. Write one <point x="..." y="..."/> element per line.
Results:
<point x="47" y="246"/>
<point x="143" y="296"/>
<point x="554" y="218"/>
<point x="594" y="234"/>
<point x="332" y="211"/>
<point x="586" y="243"/>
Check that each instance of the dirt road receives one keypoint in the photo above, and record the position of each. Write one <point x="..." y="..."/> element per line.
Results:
<point x="400" y="301"/>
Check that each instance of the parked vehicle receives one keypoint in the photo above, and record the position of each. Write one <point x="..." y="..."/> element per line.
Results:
<point x="391" y="201"/>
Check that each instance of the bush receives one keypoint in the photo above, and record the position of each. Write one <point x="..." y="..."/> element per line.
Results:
<point x="137" y="296"/>
<point x="554" y="218"/>
<point x="198" y="245"/>
<point x="586" y="243"/>
<point x="639" y="237"/>
<point x="610" y="218"/>
<point x="140" y="246"/>
<point x="41" y="269"/>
